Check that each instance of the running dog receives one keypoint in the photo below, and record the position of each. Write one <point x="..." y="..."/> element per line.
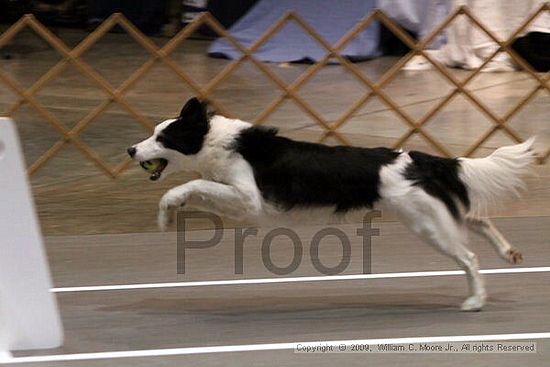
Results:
<point x="251" y="173"/>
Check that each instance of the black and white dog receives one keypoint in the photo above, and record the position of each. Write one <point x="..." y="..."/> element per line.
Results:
<point x="250" y="173"/>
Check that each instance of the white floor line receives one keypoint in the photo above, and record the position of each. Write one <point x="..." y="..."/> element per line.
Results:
<point x="324" y="278"/>
<point x="268" y="347"/>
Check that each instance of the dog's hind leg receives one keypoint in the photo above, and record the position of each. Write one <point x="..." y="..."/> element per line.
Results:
<point x="486" y="229"/>
<point x="467" y="260"/>
<point x="430" y="220"/>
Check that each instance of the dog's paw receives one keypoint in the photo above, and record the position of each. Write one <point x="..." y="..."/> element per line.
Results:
<point x="514" y="256"/>
<point x="164" y="219"/>
<point x="166" y="213"/>
<point x="473" y="303"/>
<point x="168" y="206"/>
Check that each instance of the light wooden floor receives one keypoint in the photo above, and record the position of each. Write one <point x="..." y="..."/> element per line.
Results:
<point x="160" y="318"/>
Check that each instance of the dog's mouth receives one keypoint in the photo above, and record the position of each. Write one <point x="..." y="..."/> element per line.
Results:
<point x="155" y="167"/>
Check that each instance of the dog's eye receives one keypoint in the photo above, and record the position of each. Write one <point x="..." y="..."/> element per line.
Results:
<point x="160" y="139"/>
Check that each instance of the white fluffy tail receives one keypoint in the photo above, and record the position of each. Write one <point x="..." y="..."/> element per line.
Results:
<point x="493" y="178"/>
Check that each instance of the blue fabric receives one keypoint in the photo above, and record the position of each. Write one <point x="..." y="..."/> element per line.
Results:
<point x="331" y="19"/>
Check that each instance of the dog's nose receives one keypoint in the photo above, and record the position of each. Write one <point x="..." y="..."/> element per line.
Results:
<point x="132" y="151"/>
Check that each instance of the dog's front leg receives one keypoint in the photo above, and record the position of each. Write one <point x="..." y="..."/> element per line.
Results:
<point x="201" y="203"/>
<point x="221" y="199"/>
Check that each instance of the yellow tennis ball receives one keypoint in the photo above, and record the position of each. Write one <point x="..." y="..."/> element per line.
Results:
<point x="151" y="166"/>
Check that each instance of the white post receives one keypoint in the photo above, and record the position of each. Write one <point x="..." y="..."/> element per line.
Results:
<point x="5" y="354"/>
<point x="29" y="317"/>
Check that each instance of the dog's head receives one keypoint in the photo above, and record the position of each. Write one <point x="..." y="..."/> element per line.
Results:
<point x="175" y="142"/>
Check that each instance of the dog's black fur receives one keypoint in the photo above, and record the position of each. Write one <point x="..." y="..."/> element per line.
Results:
<point x="439" y="178"/>
<point x="187" y="134"/>
<point x="300" y="174"/>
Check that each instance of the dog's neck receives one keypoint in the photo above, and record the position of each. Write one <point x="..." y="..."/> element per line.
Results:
<point x="216" y="155"/>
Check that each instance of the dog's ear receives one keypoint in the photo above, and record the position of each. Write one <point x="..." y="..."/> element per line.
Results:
<point x="187" y="133"/>
<point x="193" y="111"/>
